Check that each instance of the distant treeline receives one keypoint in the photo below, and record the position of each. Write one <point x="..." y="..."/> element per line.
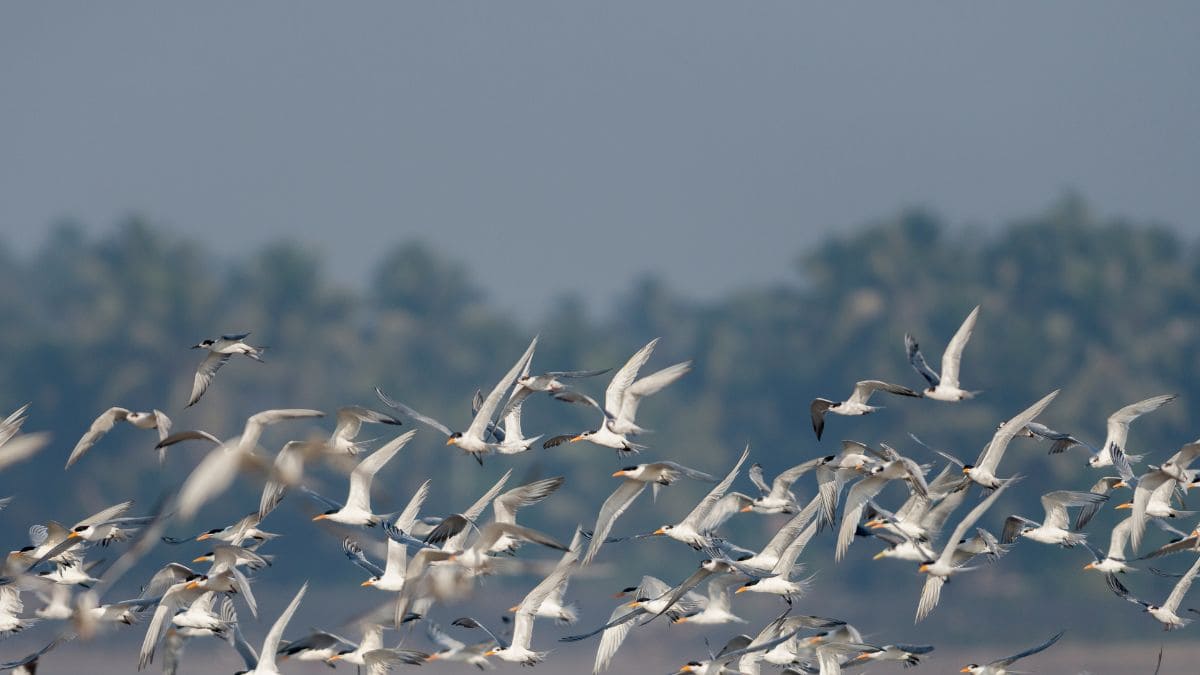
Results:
<point x="1106" y="310"/>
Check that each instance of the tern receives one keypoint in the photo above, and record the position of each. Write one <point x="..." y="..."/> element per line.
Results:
<point x="941" y="569"/>
<point x="518" y="650"/>
<point x="349" y="422"/>
<point x="155" y="419"/>
<point x="1118" y="429"/>
<point x="220" y="350"/>
<point x="718" y="606"/>
<point x="371" y="653"/>
<point x="944" y="386"/>
<point x="780" y="581"/>
<point x="909" y="654"/>
<point x="856" y="404"/>
<point x="1114" y="560"/>
<point x="688" y="530"/>
<point x="548" y="595"/>
<point x="1167" y="613"/>
<point x="455" y="650"/>
<point x="621" y="400"/>
<point x="777" y="497"/>
<point x="391" y="578"/>
<point x="983" y="471"/>
<point x="896" y="467"/>
<point x="474" y="439"/>
<point x="357" y="509"/>
<point x="1055" y="529"/>
<point x="1000" y="666"/>
<point x="264" y="662"/>
<point x="636" y="478"/>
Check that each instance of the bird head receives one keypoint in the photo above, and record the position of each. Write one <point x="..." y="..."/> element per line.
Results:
<point x="627" y="471"/>
<point x="204" y="344"/>
<point x="968" y="468"/>
<point x="370" y="582"/>
<point x="664" y="529"/>
<point x="207" y="557"/>
<point x="325" y="515"/>
<point x="209" y="534"/>
<point x="581" y="437"/>
<point x="453" y="440"/>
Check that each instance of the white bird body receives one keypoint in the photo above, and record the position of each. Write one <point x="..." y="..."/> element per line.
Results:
<point x="945" y="386"/>
<point x="357" y="509"/>
<point x="1118" y="428"/>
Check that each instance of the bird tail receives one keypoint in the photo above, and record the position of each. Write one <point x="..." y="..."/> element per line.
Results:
<point x="1074" y="539"/>
<point x="569" y="614"/>
<point x="256" y="352"/>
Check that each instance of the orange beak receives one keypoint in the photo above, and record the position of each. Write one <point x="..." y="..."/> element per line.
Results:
<point x="1120" y="484"/>
<point x="635" y="603"/>
<point x="881" y="554"/>
<point x="192" y="585"/>
<point x="514" y="608"/>
<point x="680" y="619"/>
<point x="660" y="531"/>
<point x="616" y="474"/>
<point x="368" y="582"/>
<point x="922" y="568"/>
<point x="966" y="470"/>
<point x="575" y="438"/>
<point x="200" y="559"/>
<point x="74" y="535"/>
<point x="965" y="670"/>
<point x="451" y="441"/>
<point x="432" y="657"/>
<point x="740" y="590"/>
<point x="203" y="537"/>
<point x="489" y="652"/>
<point x="749" y="507"/>
<point x="322" y="516"/>
<point x="1126" y="505"/>
<point x="335" y="657"/>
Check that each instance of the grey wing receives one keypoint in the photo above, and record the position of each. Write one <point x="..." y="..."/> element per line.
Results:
<point x="612" y="638"/>
<point x="1181" y="588"/>
<point x="856" y="501"/>
<point x="507" y="504"/>
<point x="952" y="357"/>
<point x="577" y="373"/>
<point x="917" y="360"/>
<point x="816" y="411"/>
<point x="991" y="456"/>
<point x="571" y="396"/>
<point x="969" y="521"/>
<point x="1135" y="410"/>
<point x="423" y="419"/>
<point x="1012" y="528"/>
<point x="756" y="477"/>
<point x="106" y="515"/>
<point x="784" y="480"/>
<point x="271" y="643"/>
<point x="102" y="425"/>
<point x="864" y="388"/>
<point x="1056" y="504"/>
<point x="439" y="637"/>
<point x="468" y="622"/>
<point x="243" y="648"/>
<point x="688" y="584"/>
<point x="930" y="594"/>
<point x="1115" y="585"/>
<point x="613" y="507"/>
<point x="355" y="553"/>
<point x="479" y="424"/>
<point x="697" y="515"/>
<point x="492" y="532"/>
<point x="1028" y="652"/>
<point x="205" y="374"/>
<point x="614" y="394"/>
<point x="190" y="435"/>
<point x="689" y="472"/>
<point x="162" y="423"/>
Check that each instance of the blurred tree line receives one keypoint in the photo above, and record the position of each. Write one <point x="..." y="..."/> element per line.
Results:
<point x="1104" y="309"/>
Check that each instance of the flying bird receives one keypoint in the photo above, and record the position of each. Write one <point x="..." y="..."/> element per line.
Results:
<point x="156" y="419"/>
<point x="856" y="404"/>
<point x="944" y="386"/>
<point x="220" y="350"/>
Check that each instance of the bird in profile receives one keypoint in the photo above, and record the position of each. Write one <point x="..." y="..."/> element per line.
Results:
<point x="944" y="386"/>
<point x="264" y="662"/>
<point x="1167" y="613"/>
<point x="1118" y="430"/>
<point x="155" y="419"/>
<point x="856" y="404"/>
<point x="621" y="400"/>
<point x="220" y="350"/>
<point x="1000" y="666"/>
<point x="475" y="439"/>
<point x="983" y="471"/>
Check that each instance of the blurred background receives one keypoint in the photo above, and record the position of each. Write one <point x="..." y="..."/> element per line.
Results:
<point x="403" y="196"/>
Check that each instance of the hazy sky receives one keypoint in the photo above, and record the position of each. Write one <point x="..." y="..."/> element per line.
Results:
<point x="569" y="146"/>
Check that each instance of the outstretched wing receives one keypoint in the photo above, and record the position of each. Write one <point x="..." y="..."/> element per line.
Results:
<point x="953" y="354"/>
<point x="917" y="360"/>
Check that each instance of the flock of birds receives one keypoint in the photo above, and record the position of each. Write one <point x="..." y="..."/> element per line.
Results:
<point x="430" y="561"/>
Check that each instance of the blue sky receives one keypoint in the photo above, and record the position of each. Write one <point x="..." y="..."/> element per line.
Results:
<point x="571" y="146"/>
